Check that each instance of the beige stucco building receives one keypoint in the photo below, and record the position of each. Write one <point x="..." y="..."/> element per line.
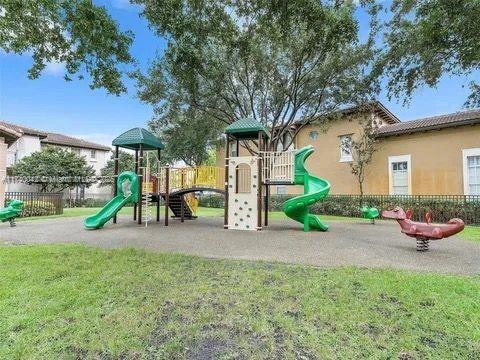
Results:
<point x="7" y="137"/>
<point x="433" y="156"/>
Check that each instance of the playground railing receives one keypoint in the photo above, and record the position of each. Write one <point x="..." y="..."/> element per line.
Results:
<point x="278" y="166"/>
<point x="209" y="177"/>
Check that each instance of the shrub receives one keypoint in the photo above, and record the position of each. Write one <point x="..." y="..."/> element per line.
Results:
<point x="211" y="200"/>
<point x="89" y="203"/>
<point x="443" y="207"/>
<point x="38" y="208"/>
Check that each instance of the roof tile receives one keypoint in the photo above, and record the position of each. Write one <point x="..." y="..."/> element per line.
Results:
<point x="431" y="123"/>
<point x="23" y="129"/>
<point x="54" y="138"/>
<point x="59" y="139"/>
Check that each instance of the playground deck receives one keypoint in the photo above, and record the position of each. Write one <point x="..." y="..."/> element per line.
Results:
<point x="347" y="243"/>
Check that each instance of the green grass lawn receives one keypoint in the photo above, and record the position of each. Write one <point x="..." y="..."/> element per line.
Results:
<point x="471" y="233"/>
<point x="71" y="301"/>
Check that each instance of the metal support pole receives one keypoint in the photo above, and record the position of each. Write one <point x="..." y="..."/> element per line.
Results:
<point x="115" y="177"/>
<point x="225" y="214"/>
<point x="158" y="185"/>
<point x="259" y="185"/>
<point x="267" y="199"/>
<point x="140" y="183"/>
<point x="136" y="172"/>
<point x="182" y="208"/>
<point x="167" y="192"/>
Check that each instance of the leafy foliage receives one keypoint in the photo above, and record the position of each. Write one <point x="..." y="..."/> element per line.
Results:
<point x="429" y="38"/>
<point x="444" y="208"/>
<point x="77" y="33"/>
<point x="126" y="162"/>
<point x="54" y="169"/>
<point x="38" y="208"/>
<point x="274" y="61"/>
<point x="189" y="135"/>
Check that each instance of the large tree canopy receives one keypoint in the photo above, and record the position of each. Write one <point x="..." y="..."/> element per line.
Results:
<point x="189" y="135"/>
<point x="126" y="162"/>
<point x="274" y="61"/>
<point x="74" y="32"/>
<point x="429" y="38"/>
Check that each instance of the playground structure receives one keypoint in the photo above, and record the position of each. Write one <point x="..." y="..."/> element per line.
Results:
<point x="248" y="176"/>
<point x="423" y="232"/>
<point x="246" y="187"/>
<point x="11" y="212"/>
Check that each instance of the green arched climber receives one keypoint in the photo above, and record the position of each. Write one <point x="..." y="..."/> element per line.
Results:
<point x="314" y="189"/>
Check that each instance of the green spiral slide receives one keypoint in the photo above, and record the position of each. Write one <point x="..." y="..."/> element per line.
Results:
<point x="314" y="189"/>
<point x="123" y="197"/>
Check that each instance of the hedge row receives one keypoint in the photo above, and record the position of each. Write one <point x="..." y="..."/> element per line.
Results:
<point x="443" y="207"/>
<point x="38" y="208"/>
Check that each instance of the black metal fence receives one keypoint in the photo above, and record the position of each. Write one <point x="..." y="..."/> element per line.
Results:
<point x="443" y="207"/>
<point x="36" y="203"/>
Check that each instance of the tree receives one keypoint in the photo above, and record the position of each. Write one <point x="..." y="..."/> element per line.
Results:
<point x="77" y="33"/>
<point x="189" y="135"/>
<point x="362" y="149"/>
<point x="54" y="169"/>
<point x="126" y="162"/>
<point x="429" y="38"/>
<point x="274" y="61"/>
<point x="212" y="157"/>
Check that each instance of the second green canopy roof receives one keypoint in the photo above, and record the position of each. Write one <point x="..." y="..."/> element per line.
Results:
<point x="246" y="128"/>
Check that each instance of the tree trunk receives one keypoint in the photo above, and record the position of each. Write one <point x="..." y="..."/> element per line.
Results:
<point x="360" y="184"/>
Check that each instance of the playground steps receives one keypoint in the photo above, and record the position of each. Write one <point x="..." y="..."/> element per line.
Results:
<point x="175" y="204"/>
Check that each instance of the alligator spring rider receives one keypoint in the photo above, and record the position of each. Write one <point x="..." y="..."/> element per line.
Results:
<point x="423" y="232"/>
<point x="12" y="211"/>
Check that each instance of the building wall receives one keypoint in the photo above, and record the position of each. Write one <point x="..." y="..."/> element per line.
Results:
<point x="325" y="162"/>
<point x="3" y="170"/>
<point x="24" y="146"/>
<point x="27" y="145"/>
<point x="436" y="159"/>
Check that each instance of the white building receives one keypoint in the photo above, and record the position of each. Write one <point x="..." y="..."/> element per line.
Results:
<point x="32" y="140"/>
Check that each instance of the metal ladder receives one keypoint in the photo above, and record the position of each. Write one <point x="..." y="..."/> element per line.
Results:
<point x="147" y="196"/>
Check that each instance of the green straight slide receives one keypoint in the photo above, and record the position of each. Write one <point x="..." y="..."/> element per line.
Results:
<point x="130" y="195"/>
<point x="314" y="189"/>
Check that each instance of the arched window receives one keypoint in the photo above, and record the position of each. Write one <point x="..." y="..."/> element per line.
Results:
<point x="244" y="178"/>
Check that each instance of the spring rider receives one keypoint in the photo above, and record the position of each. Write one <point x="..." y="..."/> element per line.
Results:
<point x="370" y="213"/>
<point x="12" y="211"/>
<point x="426" y="231"/>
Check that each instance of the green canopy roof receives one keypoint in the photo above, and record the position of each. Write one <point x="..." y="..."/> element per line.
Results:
<point x="133" y="138"/>
<point x="246" y="128"/>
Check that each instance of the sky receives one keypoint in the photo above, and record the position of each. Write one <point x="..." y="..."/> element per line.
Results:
<point x="52" y="104"/>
